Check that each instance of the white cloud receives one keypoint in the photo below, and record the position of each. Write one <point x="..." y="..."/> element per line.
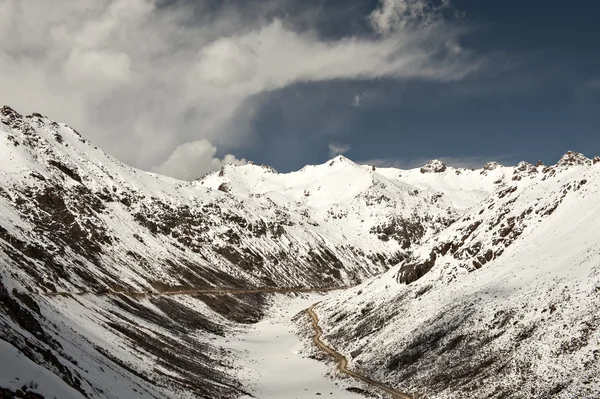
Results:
<point x="394" y="15"/>
<point x="99" y="67"/>
<point x="191" y="160"/>
<point x="338" y="149"/>
<point x="141" y="80"/>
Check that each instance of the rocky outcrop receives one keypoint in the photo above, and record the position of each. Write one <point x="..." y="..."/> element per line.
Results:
<point x="412" y="271"/>
<point x="572" y="158"/>
<point x="269" y="168"/>
<point x="434" y="166"/>
<point x="524" y="169"/>
<point x="405" y="232"/>
<point x="492" y="165"/>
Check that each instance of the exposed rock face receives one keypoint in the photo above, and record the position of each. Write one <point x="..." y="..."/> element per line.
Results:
<point x="573" y="158"/>
<point x="224" y="187"/>
<point x="491" y="165"/>
<point x="596" y="160"/>
<point x="434" y="166"/>
<point x="524" y="169"/>
<point x="412" y="271"/>
<point x="404" y="232"/>
<point x="269" y="168"/>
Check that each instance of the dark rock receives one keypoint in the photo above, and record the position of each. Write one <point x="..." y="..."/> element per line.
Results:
<point x="356" y="353"/>
<point x="434" y="166"/>
<point x="224" y="187"/>
<point x="491" y="165"/>
<point x="66" y="170"/>
<point x="411" y="272"/>
<point x="405" y="232"/>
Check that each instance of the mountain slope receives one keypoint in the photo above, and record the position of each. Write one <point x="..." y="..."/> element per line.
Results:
<point x="75" y="221"/>
<point x="503" y="303"/>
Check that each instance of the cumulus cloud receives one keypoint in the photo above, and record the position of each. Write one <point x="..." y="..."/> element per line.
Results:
<point x="191" y="160"/>
<point x="155" y="84"/>
<point x="338" y="149"/>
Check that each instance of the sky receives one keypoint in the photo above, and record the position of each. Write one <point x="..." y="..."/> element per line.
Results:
<point x="182" y="87"/>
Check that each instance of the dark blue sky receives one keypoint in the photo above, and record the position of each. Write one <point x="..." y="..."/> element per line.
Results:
<point x="538" y="97"/>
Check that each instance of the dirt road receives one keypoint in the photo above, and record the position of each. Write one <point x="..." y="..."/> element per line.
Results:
<point x="209" y="291"/>
<point x="342" y="362"/>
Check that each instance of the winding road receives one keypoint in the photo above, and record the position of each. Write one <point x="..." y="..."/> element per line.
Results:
<point x="342" y="362"/>
<point x="209" y="291"/>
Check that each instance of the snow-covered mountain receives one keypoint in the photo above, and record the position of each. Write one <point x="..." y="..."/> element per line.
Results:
<point x="93" y="223"/>
<point x="504" y="303"/>
<point x="76" y="224"/>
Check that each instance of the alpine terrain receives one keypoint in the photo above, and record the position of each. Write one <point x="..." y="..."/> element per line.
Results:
<point x="442" y="282"/>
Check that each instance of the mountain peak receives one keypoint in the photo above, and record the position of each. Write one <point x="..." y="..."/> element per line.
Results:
<point x="491" y="165"/>
<point x="572" y="158"/>
<point x="269" y="168"/>
<point x="340" y="158"/>
<point x="434" y="166"/>
<point x="9" y="112"/>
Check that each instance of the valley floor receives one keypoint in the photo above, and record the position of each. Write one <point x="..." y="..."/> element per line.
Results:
<point x="271" y="359"/>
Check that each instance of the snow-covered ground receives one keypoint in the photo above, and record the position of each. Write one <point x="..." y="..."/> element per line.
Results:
<point x="17" y="371"/>
<point x="273" y="364"/>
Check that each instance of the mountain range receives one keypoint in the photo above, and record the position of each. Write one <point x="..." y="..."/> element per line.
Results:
<point x="464" y="283"/>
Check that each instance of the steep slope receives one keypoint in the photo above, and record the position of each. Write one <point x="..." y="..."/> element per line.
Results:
<point x="503" y="303"/>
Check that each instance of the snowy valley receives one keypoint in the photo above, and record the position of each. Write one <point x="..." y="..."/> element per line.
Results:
<point x="463" y="283"/>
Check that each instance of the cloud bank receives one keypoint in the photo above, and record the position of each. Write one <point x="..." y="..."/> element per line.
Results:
<point x="161" y="87"/>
